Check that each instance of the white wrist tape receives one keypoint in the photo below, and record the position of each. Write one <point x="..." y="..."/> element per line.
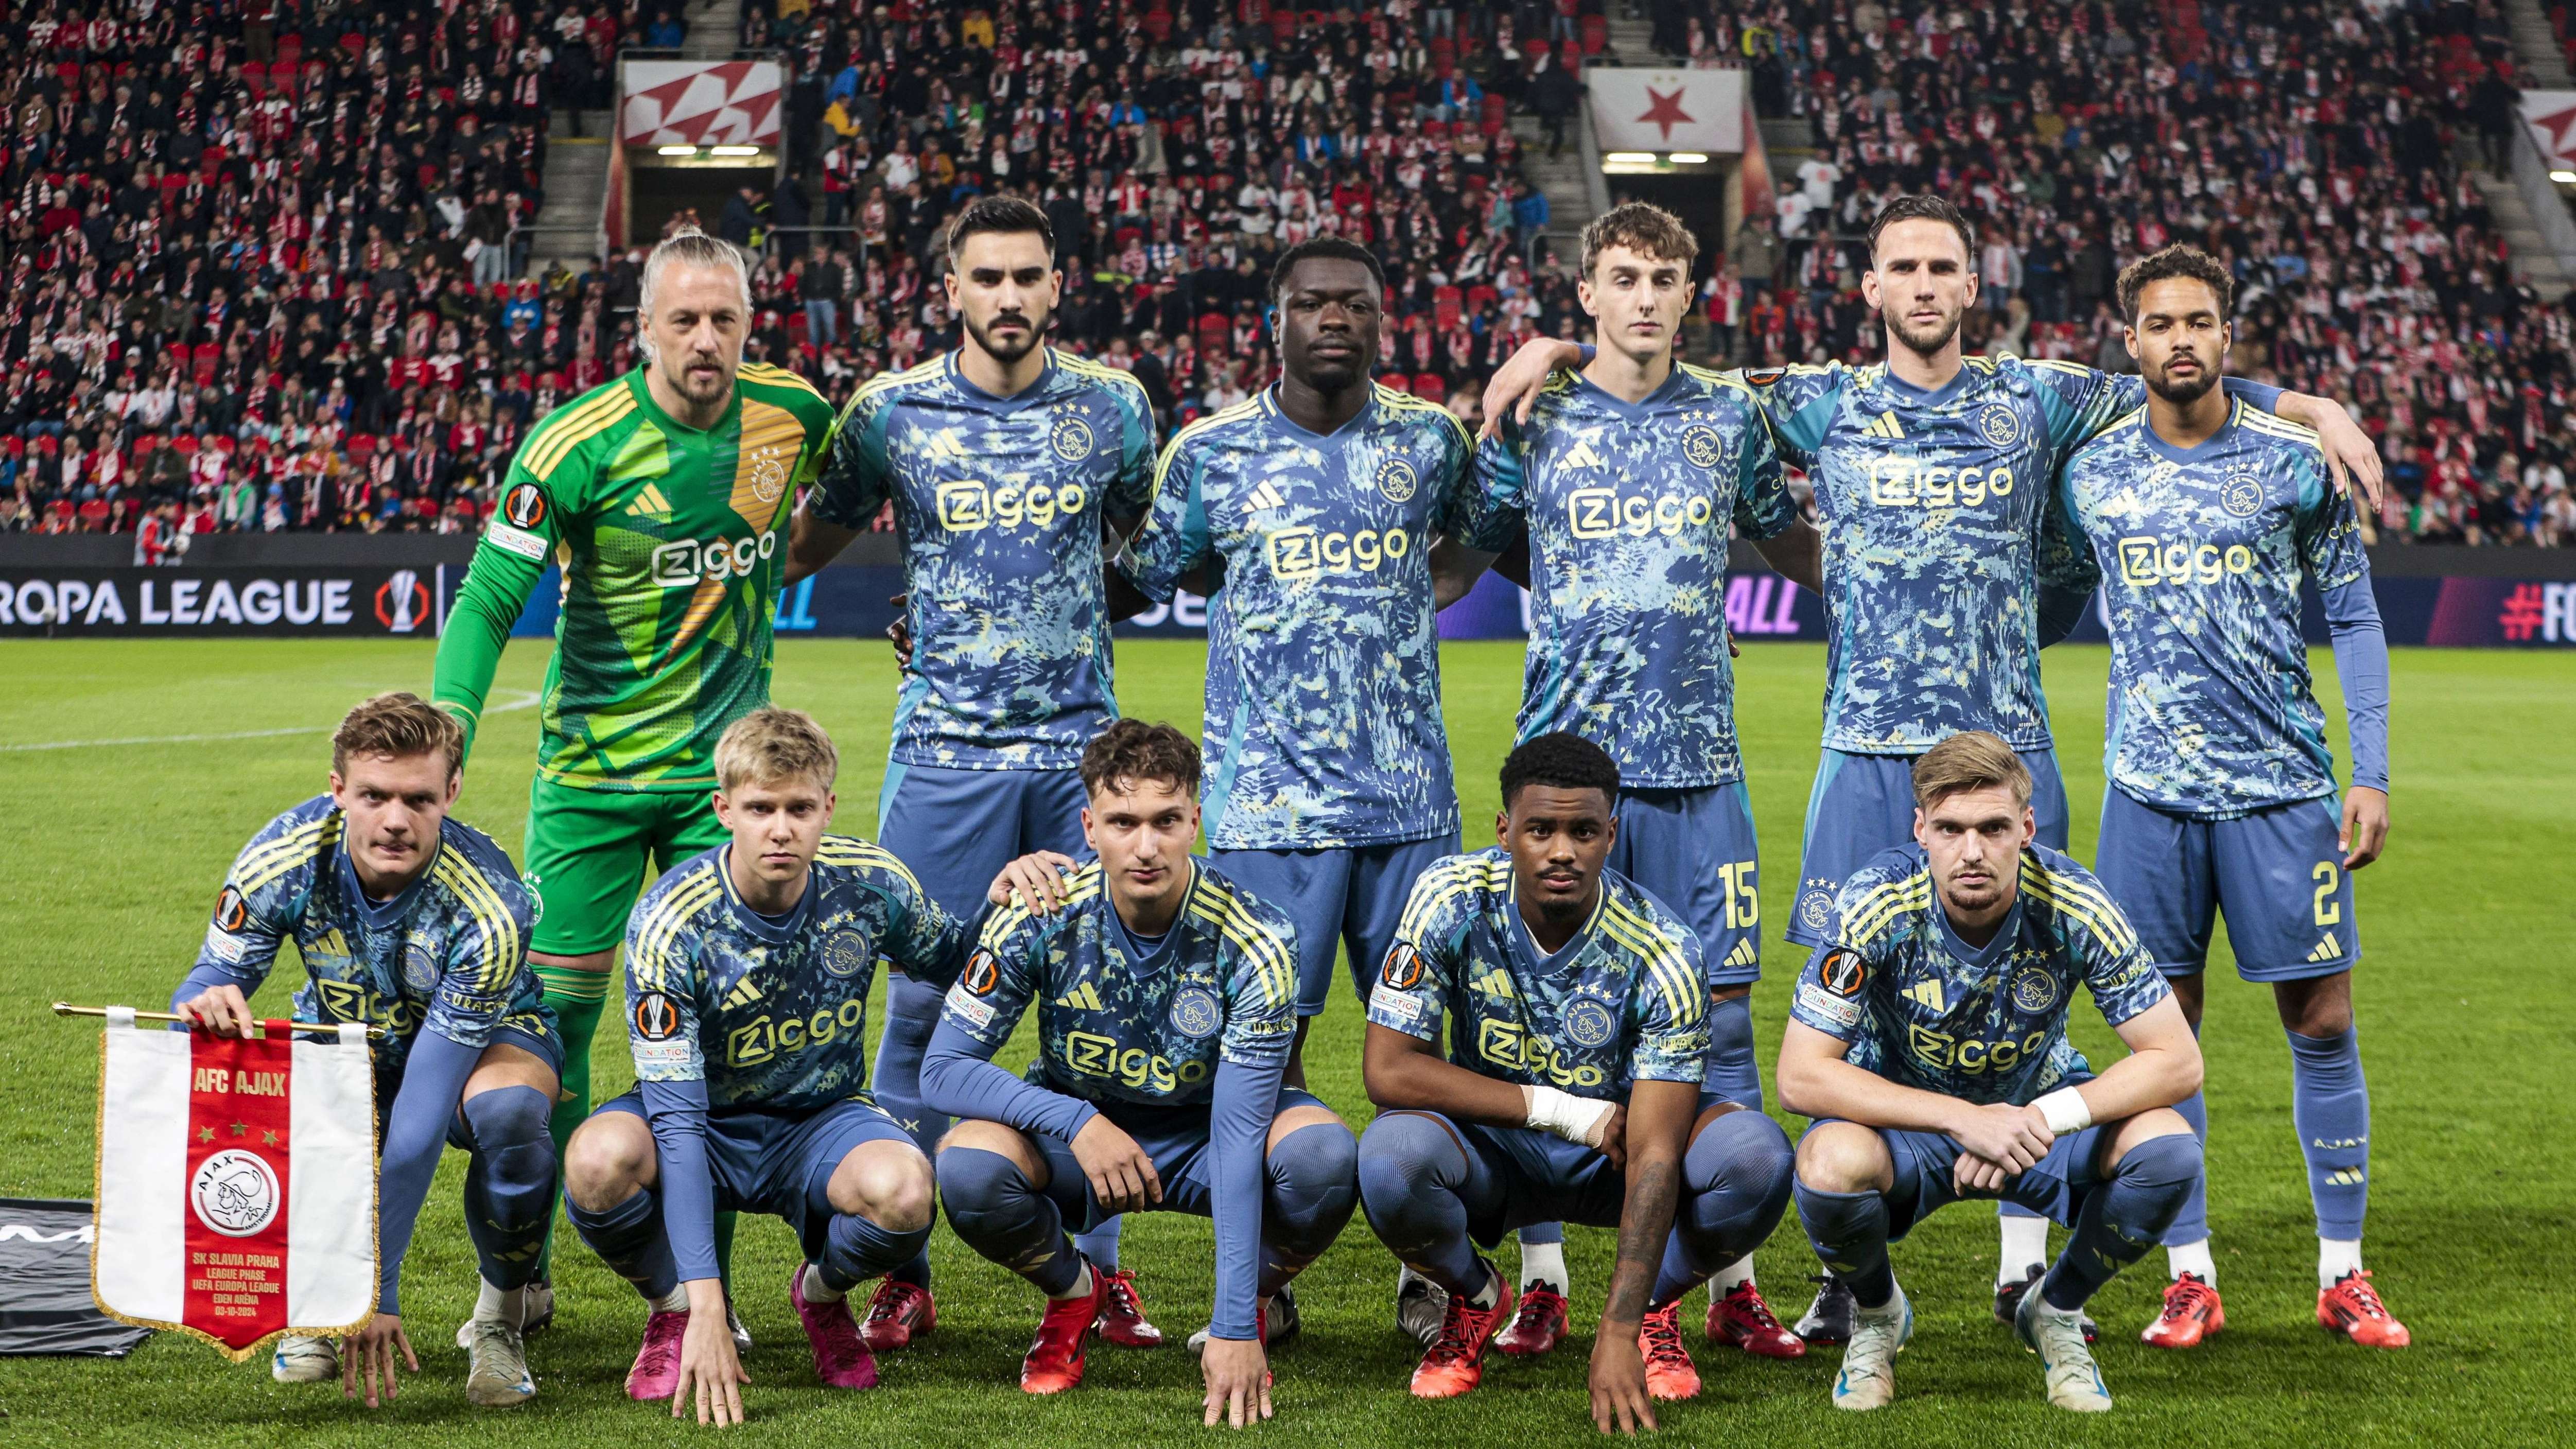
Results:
<point x="2065" y="1111"/>
<point x="1578" y="1120"/>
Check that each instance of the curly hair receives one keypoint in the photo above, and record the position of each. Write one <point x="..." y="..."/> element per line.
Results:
<point x="1565" y="761"/>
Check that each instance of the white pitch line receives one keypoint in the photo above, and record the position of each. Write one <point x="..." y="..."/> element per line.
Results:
<point x="527" y="700"/>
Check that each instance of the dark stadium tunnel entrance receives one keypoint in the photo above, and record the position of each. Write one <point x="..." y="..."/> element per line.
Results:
<point x="1697" y="197"/>
<point x="657" y="193"/>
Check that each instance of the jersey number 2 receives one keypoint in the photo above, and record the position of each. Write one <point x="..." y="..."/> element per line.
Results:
<point x="2328" y="910"/>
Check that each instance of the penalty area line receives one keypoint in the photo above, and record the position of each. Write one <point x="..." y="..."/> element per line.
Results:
<point x="527" y="699"/>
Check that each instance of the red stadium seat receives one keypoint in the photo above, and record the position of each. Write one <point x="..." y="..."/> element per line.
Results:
<point x="207" y="355"/>
<point x="1444" y="306"/>
<point x="1431" y="385"/>
<point x="1596" y="34"/>
<point x="255" y="75"/>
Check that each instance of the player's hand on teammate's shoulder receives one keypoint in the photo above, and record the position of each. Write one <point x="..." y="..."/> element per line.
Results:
<point x="1035" y="880"/>
<point x="711" y="1373"/>
<point x="1122" y="1176"/>
<point x="369" y="1352"/>
<point x="2013" y="1138"/>
<point x="899" y="633"/>
<point x="2351" y="456"/>
<point x="222" y="1010"/>
<point x="1620" y="1403"/>
<point x="1515" y="386"/>
<point x="1238" y="1382"/>
<point x="2365" y="826"/>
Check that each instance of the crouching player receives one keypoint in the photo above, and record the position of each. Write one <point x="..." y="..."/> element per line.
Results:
<point x="1578" y="1032"/>
<point x="747" y="973"/>
<point x="1928" y="1040"/>
<point x="1166" y="1002"/>
<point x="416" y="923"/>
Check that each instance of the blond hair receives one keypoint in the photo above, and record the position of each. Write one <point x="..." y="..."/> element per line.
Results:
<point x="690" y="247"/>
<point x="400" y="725"/>
<point x="1968" y="760"/>
<point x="771" y="744"/>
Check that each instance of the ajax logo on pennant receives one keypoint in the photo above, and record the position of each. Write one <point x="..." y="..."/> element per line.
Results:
<point x="234" y="1193"/>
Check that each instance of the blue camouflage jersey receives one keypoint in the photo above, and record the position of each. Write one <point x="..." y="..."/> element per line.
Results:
<point x="1323" y="719"/>
<point x="1939" y="527"/>
<point x="1628" y="508"/>
<point x="2201" y="551"/>
<point x="1622" y="1002"/>
<point x="1923" y="1009"/>
<point x="449" y="954"/>
<point x="1123" y="1023"/>
<point x="773" y="1013"/>
<point x="1000" y="503"/>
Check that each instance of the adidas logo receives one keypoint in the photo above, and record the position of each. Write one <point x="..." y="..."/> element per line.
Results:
<point x="1081" y="998"/>
<point x="2346" y="1177"/>
<point x="1267" y="495"/>
<point x="648" y="501"/>
<point x="1744" y="953"/>
<point x="1582" y="456"/>
<point x="1493" y="983"/>
<point x="1927" y="994"/>
<point x="744" y="993"/>
<point x="2327" y="949"/>
<point x="1884" y="427"/>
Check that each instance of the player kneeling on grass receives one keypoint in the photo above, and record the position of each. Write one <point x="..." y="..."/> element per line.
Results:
<point x="747" y="974"/>
<point x="1166" y="1001"/>
<point x="413" y="922"/>
<point x="1928" y="1041"/>
<point x="1578" y="1037"/>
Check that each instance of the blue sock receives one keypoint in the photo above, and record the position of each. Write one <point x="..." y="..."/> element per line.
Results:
<point x="911" y="1013"/>
<point x="2330" y="1104"/>
<point x="629" y="1239"/>
<point x="995" y="1211"/>
<point x="856" y="1249"/>
<point x="509" y="1182"/>
<point x="1735" y="1185"/>
<point x="1100" y="1243"/>
<point x="2122" y="1218"/>
<point x="1733" y="1072"/>
<point x="1313" y="1186"/>
<point x="1540" y="1235"/>
<point x="1848" y="1230"/>
<point x="2191" y="1225"/>
<point x="1410" y="1171"/>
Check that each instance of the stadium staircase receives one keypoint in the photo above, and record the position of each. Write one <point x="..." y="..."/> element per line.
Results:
<point x="577" y="145"/>
<point x="2534" y="260"/>
<point x="715" y="30"/>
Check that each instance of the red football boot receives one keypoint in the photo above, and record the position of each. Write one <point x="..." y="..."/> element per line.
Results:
<point x="1742" y="1319"/>
<point x="841" y="1357"/>
<point x="656" y="1374"/>
<point x="2352" y="1308"/>
<point x="1538" y="1326"/>
<point x="1456" y="1362"/>
<point x="1054" y="1363"/>
<point x="1122" y="1313"/>
<point x="900" y="1313"/>
<point x="1670" y="1374"/>
<point x="2192" y="1313"/>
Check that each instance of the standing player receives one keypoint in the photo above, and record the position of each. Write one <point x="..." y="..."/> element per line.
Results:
<point x="408" y="920"/>
<point x="747" y="975"/>
<point x="1005" y="460"/>
<point x="1578" y="1037"/>
<point x="664" y="496"/>
<point x="1628" y="477"/>
<point x="2205" y="516"/>
<point x="1947" y="564"/>
<point x="1928" y="1041"/>
<point x="1165" y="999"/>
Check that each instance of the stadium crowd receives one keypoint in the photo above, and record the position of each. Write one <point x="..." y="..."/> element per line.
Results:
<point x="262" y="274"/>
<point x="2318" y="149"/>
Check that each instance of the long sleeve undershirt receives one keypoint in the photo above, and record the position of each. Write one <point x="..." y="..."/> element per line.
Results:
<point x="677" y="1112"/>
<point x="2361" y="663"/>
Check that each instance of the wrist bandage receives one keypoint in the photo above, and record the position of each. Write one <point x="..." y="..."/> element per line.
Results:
<point x="2065" y="1111"/>
<point x="1578" y="1120"/>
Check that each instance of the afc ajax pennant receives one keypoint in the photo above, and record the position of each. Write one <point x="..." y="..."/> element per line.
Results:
<point x="236" y="1183"/>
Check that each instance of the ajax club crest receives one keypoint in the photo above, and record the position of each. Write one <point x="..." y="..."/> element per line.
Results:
<point x="845" y="954"/>
<point x="1998" y="426"/>
<point x="234" y="1192"/>
<point x="1588" y="1023"/>
<point x="1071" y="439"/>
<point x="1195" y="1013"/>
<point x="1700" y="444"/>
<point x="768" y="476"/>
<point x="2241" y="495"/>
<point x="1395" y="479"/>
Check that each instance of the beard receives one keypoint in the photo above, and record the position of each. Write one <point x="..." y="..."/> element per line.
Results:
<point x="2186" y="392"/>
<point x="1926" y="342"/>
<point x="685" y="382"/>
<point x="1012" y="351"/>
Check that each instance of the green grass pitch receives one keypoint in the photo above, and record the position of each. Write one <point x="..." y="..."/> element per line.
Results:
<point x="172" y="753"/>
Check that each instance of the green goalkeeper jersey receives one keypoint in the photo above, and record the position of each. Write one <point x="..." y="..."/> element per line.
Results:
<point x="672" y="542"/>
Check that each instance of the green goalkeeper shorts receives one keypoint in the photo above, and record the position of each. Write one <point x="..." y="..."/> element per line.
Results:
<point x="588" y="853"/>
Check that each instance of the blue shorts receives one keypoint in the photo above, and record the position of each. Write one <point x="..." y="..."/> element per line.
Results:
<point x="1342" y="895"/>
<point x="2276" y="874"/>
<point x="1694" y="851"/>
<point x="780" y="1162"/>
<point x="1175" y="1138"/>
<point x="547" y="1048"/>
<point x="1863" y="804"/>
<point x="1517" y="1176"/>
<point x="956" y="829"/>
<point x="2054" y="1187"/>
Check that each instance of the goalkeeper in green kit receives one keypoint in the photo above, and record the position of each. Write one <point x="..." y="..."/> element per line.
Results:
<point x="665" y="495"/>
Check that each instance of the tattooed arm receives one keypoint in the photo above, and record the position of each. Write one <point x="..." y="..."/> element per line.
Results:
<point x="1659" y="1120"/>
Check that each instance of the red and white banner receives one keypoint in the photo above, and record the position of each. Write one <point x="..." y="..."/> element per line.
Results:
<point x="2551" y="115"/>
<point x="236" y="1183"/>
<point x="1667" y="110"/>
<point x="700" y="103"/>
